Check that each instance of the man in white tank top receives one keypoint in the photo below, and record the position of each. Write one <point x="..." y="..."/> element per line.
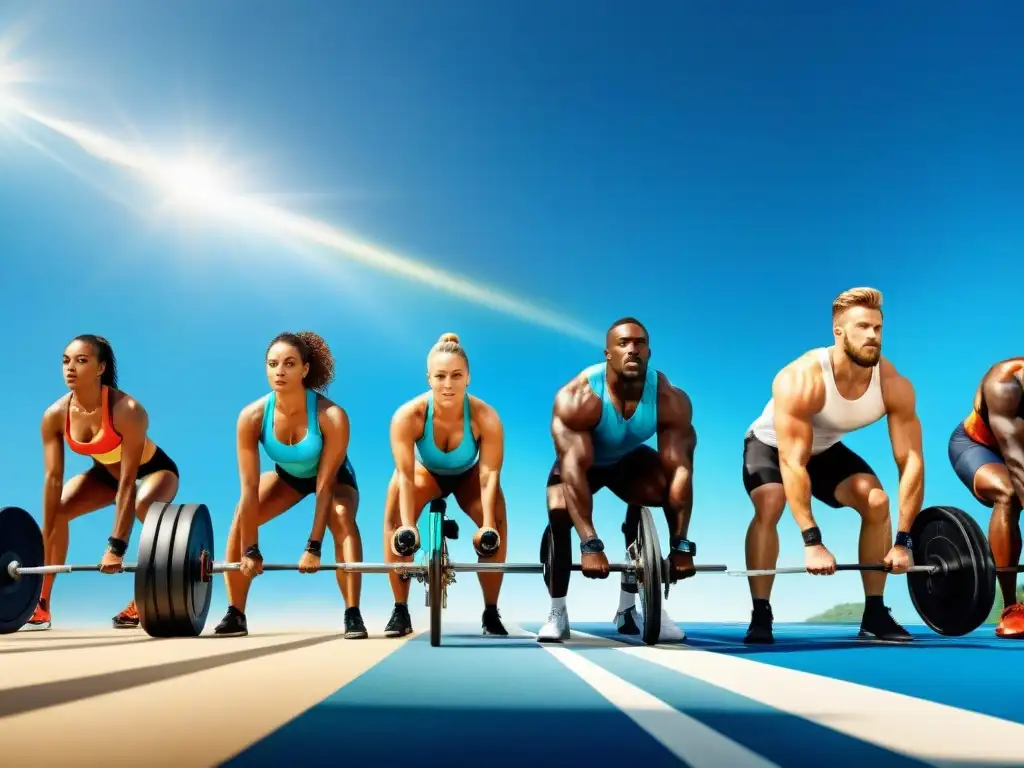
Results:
<point x="794" y="451"/>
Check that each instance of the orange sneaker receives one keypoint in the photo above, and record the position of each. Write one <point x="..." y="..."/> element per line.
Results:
<point x="1011" y="622"/>
<point x="41" y="618"/>
<point x="128" y="618"/>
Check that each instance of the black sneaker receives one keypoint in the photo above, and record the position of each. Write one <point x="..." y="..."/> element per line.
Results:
<point x="880" y="625"/>
<point x="400" y="623"/>
<point x="760" y="629"/>
<point x="232" y="625"/>
<point x="625" y="622"/>
<point x="354" y="627"/>
<point x="492" y="622"/>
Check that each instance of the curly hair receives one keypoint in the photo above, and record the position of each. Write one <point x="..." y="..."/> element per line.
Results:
<point x="314" y="351"/>
<point x="105" y="354"/>
<point x="448" y="344"/>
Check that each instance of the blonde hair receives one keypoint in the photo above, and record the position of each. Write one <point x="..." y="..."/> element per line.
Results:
<point x="869" y="298"/>
<point x="448" y="344"/>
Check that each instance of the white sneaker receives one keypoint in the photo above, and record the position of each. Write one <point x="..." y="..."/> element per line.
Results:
<point x="557" y="628"/>
<point x="670" y="631"/>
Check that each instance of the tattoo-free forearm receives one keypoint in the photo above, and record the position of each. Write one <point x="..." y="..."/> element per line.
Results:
<point x="680" y="502"/>
<point x="578" y="499"/>
<point x="489" y="498"/>
<point x="797" y="484"/>
<point x="124" y="515"/>
<point x="911" y="492"/>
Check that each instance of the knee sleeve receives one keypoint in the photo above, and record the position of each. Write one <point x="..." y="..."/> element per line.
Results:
<point x="561" y="540"/>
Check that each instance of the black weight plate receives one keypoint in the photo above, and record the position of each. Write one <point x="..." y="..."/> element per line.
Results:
<point x="958" y="601"/>
<point x="21" y="540"/>
<point x="650" y="567"/>
<point x="144" y="600"/>
<point x="986" y="569"/>
<point x="152" y="577"/>
<point x="190" y="595"/>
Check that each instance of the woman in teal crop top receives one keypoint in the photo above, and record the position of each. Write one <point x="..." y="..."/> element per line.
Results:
<point x="443" y="442"/>
<point x="306" y="436"/>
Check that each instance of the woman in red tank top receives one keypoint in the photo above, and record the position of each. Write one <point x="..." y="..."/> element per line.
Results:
<point x="98" y="421"/>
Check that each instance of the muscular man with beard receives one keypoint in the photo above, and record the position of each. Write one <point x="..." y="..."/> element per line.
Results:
<point x="793" y="451"/>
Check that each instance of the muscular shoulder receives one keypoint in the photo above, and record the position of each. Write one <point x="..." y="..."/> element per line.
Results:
<point x="577" y="406"/>
<point x="1002" y="384"/>
<point x="126" y="409"/>
<point x="1005" y="372"/>
<point x="330" y="415"/>
<point x="897" y="391"/>
<point x="799" y="386"/>
<point x="250" y="418"/>
<point x="485" y="416"/>
<point x="674" y="405"/>
<point x="55" y="414"/>
<point x="410" y="414"/>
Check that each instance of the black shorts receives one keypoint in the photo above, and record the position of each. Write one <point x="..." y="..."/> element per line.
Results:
<point x="449" y="483"/>
<point x="967" y="457"/>
<point x="619" y="477"/>
<point x="826" y="470"/>
<point x="158" y="462"/>
<point x="307" y="485"/>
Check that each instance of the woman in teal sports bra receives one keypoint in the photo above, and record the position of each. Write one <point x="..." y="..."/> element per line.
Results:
<point x="443" y="442"/>
<point x="307" y="437"/>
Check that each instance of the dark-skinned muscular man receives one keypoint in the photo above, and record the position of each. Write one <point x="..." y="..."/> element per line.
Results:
<point x="987" y="453"/>
<point x="601" y="422"/>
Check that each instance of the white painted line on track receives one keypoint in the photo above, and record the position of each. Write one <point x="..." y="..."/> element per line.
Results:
<point x="933" y="733"/>
<point x="688" y="739"/>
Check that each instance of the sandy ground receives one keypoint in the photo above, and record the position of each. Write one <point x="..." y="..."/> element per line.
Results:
<point x="79" y="698"/>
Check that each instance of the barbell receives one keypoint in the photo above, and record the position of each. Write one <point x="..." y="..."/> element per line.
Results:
<point x="953" y="591"/>
<point x="174" y="569"/>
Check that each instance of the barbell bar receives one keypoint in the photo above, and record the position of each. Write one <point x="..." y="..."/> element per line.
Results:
<point x="954" y="593"/>
<point x="15" y="570"/>
<point x="929" y="569"/>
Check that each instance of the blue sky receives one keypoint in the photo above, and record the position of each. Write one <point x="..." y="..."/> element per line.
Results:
<point x="720" y="174"/>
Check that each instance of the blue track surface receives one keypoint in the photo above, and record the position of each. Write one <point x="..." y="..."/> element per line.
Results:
<point x="508" y="702"/>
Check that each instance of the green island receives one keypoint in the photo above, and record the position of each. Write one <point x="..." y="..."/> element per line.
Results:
<point x="850" y="613"/>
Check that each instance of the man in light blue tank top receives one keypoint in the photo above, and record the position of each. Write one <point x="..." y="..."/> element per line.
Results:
<point x="602" y="421"/>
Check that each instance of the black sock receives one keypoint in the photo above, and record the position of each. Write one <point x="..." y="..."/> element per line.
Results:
<point x="761" y="605"/>
<point x="874" y="604"/>
<point x="400" y="605"/>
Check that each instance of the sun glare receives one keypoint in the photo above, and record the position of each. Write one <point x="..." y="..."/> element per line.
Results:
<point x="194" y="183"/>
<point x="198" y="187"/>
